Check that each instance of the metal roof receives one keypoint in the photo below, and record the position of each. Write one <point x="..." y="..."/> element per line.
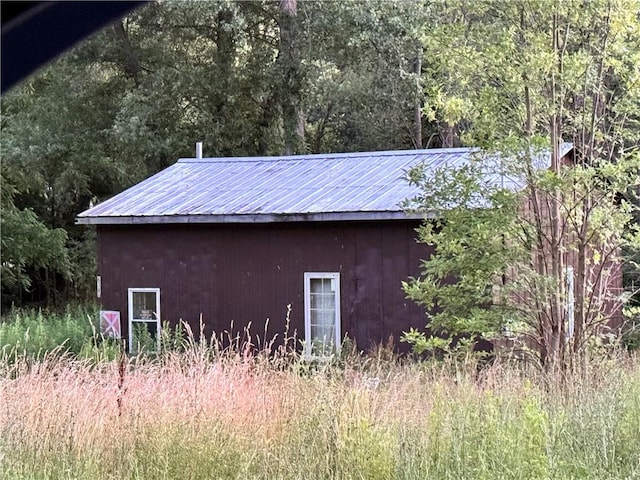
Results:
<point x="338" y="186"/>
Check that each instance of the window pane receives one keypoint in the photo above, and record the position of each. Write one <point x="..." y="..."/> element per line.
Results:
<point x="320" y="285"/>
<point x="144" y="305"/>
<point x="315" y="285"/>
<point x="324" y="301"/>
<point x="322" y="340"/>
<point x="315" y="300"/>
<point x="322" y="333"/>
<point x="323" y="317"/>
<point x="328" y="301"/>
<point x="323" y="344"/>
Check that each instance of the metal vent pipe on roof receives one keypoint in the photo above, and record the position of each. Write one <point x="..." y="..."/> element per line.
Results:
<point x="199" y="150"/>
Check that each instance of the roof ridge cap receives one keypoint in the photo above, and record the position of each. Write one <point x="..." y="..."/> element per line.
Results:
<point x="322" y="156"/>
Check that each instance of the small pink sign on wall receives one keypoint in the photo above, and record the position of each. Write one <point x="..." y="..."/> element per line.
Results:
<point x="110" y="323"/>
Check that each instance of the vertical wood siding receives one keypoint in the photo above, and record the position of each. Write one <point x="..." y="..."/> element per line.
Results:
<point x="247" y="273"/>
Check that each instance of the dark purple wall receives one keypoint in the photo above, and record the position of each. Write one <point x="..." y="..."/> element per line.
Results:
<point x="245" y="273"/>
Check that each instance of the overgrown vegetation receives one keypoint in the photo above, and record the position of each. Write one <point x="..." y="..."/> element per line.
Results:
<point x="29" y="336"/>
<point x="496" y="243"/>
<point x="262" y="78"/>
<point x="534" y="239"/>
<point x="35" y="333"/>
<point x="209" y="412"/>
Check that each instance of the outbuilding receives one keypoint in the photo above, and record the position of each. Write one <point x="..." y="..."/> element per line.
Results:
<point x="313" y="245"/>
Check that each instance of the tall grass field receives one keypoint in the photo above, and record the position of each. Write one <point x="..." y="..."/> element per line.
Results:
<point x="202" y="413"/>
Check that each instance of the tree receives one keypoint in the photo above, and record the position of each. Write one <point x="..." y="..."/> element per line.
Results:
<point x="465" y="208"/>
<point x="53" y="165"/>
<point x="245" y="78"/>
<point x="535" y="74"/>
<point x="362" y="88"/>
<point x="27" y="245"/>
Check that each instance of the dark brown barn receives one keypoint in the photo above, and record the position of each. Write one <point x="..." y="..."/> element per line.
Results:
<point x="340" y="278"/>
<point x="237" y="241"/>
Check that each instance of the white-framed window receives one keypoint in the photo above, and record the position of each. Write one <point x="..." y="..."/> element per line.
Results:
<point x="144" y="320"/>
<point x="321" y="313"/>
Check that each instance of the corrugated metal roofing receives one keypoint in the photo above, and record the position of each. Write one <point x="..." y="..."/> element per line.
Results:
<point x="346" y="186"/>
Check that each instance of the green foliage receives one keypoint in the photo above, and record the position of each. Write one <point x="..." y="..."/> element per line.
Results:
<point x="143" y="340"/>
<point x="512" y="78"/>
<point x="238" y="76"/>
<point x="361" y="89"/>
<point x="32" y="334"/>
<point x="56" y="159"/>
<point x="470" y="217"/>
<point x="493" y="74"/>
<point x="491" y="270"/>
<point x="27" y="245"/>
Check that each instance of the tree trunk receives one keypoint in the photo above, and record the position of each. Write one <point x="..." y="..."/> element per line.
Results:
<point x="225" y="38"/>
<point x="291" y="79"/>
<point x="268" y="109"/>
<point x="417" y="109"/>
<point x="130" y="61"/>
<point x="556" y="333"/>
<point x="225" y="43"/>
<point x="447" y="136"/>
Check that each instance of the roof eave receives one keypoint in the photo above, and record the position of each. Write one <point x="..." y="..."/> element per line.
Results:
<point x="249" y="218"/>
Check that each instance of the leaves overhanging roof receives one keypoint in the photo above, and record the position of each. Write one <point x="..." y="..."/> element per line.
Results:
<point x="338" y="186"/>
